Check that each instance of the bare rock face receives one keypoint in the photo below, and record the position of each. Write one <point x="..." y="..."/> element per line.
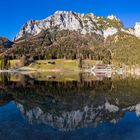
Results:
<point x="110" y="31"/>
<point x="83" y="23"/>
<point x="137" y="30"/>
<point x="133" y="31"/>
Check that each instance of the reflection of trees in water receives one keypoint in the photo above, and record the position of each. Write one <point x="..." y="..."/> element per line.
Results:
<point x="54" y="87"/>
<point x="79" y="103"/>
<point x="28" y="88"/>
<point x="32" y="90"/>
<point x="5" y="78"/>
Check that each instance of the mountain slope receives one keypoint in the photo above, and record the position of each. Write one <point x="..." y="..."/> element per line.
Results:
<point x="125" y="48"/>
<point x="56" y="44"/>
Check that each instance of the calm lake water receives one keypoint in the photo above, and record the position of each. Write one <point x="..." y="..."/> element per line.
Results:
<point x="69" y="106"/>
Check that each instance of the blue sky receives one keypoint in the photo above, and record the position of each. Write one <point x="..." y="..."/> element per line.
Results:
<point x="14" y="13"/>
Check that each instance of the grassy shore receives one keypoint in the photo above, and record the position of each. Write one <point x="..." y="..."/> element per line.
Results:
<point x="56" y="65"/>
<point x="52" y="65"/>
<point x="59" y="65"/>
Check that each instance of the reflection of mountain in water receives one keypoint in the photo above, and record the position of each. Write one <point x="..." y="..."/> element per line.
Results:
<point x="69" y="120"/>
<point x="73" y="105"/>
<point x="75" y="119"/>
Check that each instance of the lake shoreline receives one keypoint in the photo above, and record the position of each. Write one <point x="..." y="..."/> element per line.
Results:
<point x="39" y="70"/>
<point x="126" y="71"/>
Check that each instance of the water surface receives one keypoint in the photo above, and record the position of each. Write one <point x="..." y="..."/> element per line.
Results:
<point x="71" y="106"/>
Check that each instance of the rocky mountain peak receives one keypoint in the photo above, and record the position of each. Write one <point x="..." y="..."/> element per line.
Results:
<point x="72" y="21"/>
<point x="112" y="17"/>
<point x="137" y="29"/>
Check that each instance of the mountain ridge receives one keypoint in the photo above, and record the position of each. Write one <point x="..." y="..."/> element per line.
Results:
<point x="68" y="20"/>
<point x="83" y="23"/>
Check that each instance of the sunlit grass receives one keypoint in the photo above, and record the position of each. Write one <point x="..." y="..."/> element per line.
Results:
<point x="60" y="64"/>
